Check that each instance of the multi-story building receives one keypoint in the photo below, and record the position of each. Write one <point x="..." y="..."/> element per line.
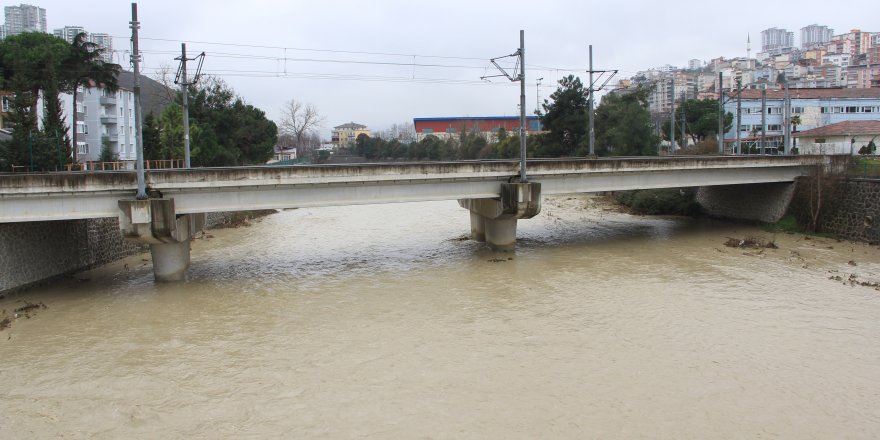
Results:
<point x="68" y="33"/>
<point x="775" y="39"/>
<point x="2" y="31"/>
<point x="814" y="36"/>
<point x="346" y="134"/>
<point x="813" y="107"/>
<point x="695" y="64"/>
<point x="855" y="42"/>
<point x="487" y="126"/>
<point x="104" y="118"/>
<point x="24" y="18"/>
<point x="103" y="41"/>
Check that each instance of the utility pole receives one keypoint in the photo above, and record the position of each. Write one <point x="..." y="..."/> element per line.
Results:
<point x="672" y="120"/>
<point x="139" y="139"/>
<point x="590" y="132"/>
<point x="184" y="90"/>
<point x="591" y="102"/>
<point x="763" y="118"/>
<point x="521" y="77"/>
<point x="522" y="106"/>
<point x="738" y="115"/>
<point x="683" y="124"/>
<point x="720" y="113"/>
<point x="786" y="120"/>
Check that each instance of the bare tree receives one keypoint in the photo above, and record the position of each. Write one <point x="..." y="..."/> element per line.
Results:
<point x="299" y="120"/>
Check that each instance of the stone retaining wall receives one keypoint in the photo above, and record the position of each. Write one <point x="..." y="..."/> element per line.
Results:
<point x="37" y="252"/>
<point x="856" y="212"/>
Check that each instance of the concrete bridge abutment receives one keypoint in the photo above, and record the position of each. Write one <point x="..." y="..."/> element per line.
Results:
<point x="493" y="221"/>
<point x="764" y="202"/>
<point x="155" y="222"/>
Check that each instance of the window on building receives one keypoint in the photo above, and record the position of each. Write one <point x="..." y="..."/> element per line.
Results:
<point x="122" y="130"/>
<point x="79" y="107"/>
<point x="797" y="110"/>
<point x="820" y="140"/>
<point x="745" y="127"/>
<point x="852" y="109"/>
<point x="774" y="127"/>
<point x="450" y="130"/>
<point x="427" y="130"/>
<point x="82" y="148"/>
<point x="85" y="111"/>
<point x="82" y="128"/>
<point x="6" y="104"/>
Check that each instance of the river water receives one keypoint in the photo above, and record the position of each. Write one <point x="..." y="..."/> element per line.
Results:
<point x="386" y="322"/>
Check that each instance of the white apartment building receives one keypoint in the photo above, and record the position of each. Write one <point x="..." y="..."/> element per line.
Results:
<point x="814" y="36"/>
<point x="103" y="41"/>
<point x="103" y="117"/>
<point x="24" y="18"/>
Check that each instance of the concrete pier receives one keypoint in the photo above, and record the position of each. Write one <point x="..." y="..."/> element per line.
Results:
<point x="494" y="220"/>
<point x="154" y="222"/>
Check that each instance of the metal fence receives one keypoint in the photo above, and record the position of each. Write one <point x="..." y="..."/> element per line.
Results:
<point x="865" y="168"/>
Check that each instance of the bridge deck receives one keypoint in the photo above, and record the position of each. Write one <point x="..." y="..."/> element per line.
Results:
<point x="57" y="196"/>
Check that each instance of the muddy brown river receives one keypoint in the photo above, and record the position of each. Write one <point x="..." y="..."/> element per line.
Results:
<point x="384" y="321"/>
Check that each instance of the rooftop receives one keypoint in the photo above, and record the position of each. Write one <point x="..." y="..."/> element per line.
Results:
<point x="813" y="93"/>
<point x="350" y="126"/>
<point x="845" y="128"/>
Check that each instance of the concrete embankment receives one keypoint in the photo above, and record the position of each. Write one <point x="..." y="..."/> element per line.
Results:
<point x="36" y="252"/>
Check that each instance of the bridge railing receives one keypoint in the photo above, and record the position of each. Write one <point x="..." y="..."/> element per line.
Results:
<point x="162" y="164"/>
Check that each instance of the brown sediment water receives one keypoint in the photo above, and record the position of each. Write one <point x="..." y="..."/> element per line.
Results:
<point x="383" y="322"/>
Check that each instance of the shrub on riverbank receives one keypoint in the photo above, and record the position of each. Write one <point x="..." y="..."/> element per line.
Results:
<point x="669" y="201"/>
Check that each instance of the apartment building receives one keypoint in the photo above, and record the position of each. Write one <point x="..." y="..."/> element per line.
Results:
<point x="815" y="36"/>
<point x="814" y="107"/>
<point x="346" y="134"/>
<point x="104" y="117"/>
<point x="24" y="18"/>
<point x="103" y="41"/>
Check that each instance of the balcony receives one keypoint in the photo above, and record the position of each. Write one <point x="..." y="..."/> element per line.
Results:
<point x="107" y="100"/>
<point x="106" y="119"/>
<point x="109" y="138"/>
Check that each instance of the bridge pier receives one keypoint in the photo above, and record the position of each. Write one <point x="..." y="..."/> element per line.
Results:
<point x="494" y="220"/>
<point x="154" y="222"/>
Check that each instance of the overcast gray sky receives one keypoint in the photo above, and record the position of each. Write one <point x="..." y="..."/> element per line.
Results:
<point x="388" y="61"/>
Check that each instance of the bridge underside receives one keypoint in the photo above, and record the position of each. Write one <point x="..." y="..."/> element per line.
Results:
<point x="759" y="189"/>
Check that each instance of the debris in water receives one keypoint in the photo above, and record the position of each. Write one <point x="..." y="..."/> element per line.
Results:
<point x="852" y="263"/>
<point x="750" y="243"/>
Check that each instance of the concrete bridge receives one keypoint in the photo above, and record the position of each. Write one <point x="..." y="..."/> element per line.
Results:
<point x="750" y="187"/>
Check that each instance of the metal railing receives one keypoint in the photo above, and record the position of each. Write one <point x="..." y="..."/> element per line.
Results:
<point x="162" y="164"/>
<point x="864" y="168"/>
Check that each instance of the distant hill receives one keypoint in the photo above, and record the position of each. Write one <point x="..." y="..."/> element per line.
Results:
<point x="154" y="96"/>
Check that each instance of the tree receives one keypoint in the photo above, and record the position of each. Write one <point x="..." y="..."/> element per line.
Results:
<point x="225" y="130"/>
<point x="84" y="66"/>
<point x="299" y="119"/>
<point x="30" y="66"/>
<point x="623" y="125"/>
<point x="701" y="119"/>
<point x="565" y="117"/>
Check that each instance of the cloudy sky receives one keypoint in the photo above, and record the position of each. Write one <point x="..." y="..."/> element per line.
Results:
<point x="388" y="61"/>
